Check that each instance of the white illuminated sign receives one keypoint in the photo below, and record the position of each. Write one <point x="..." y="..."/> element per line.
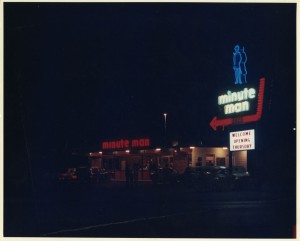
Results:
<point x="242" y="140"/>
<point x="236" y="102"/>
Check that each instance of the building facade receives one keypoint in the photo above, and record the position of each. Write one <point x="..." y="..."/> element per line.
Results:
<point x="179" y="159"/>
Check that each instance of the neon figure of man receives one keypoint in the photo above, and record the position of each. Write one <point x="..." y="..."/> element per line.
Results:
<point x="243" y="65"/>
<point x="237" y="58"/>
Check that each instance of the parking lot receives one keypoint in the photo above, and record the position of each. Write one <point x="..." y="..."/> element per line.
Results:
<point x="115" y="209"/>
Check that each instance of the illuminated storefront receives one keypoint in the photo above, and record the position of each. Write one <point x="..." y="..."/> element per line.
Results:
<point x="149" y="159"/>
<point x="238" y="103"/>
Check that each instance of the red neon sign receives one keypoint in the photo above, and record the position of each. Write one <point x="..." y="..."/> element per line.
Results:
<point x="120" y="144"/>
<point x="243" y="119"/>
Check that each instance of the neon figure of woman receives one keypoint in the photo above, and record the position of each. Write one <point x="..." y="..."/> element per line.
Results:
<point x="243" y="65"/>
<point x="237" y="58"/>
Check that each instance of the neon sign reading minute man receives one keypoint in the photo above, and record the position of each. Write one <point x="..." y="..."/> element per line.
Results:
<point x="241" y="97"/>
<point x="236" y="102"/>
<point x="124" y="143"/>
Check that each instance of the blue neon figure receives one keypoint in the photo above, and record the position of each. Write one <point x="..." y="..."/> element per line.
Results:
<point x="237" y="59"/>
<point x="243" y="65"/>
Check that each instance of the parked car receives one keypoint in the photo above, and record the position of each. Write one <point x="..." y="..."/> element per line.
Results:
<point x="165" y="175"/>
<point x="224" y="180"/>
<point x="83" y="174"/>
<point x="239" y="172"/>
<point x="100" y="175"/>
<point x="208" y="178"/>
<point x="192" y="175"/>
<point x="68" y="174"/>
<point x="241" y="178"/>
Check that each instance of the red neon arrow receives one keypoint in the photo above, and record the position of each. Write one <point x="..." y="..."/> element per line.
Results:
<point x="243" y="119"/>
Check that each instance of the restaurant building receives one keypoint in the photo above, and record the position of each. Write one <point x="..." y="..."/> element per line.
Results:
<point x="237" y="104"/>
<point x="115" y="155"/>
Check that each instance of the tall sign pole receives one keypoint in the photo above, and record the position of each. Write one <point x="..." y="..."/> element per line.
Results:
<point x="165" y="117"/>
<point x="241" y="103"/>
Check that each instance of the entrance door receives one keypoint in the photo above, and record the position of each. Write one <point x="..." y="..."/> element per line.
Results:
<point x="123" y="165"/>
<point x="210" y="160"/>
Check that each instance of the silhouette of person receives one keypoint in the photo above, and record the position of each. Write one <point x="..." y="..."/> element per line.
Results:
<point x="135" y="172"/>
<point x="243" y="65"/>
<point x="128" y="174"/>
<point x="237" y="64"/>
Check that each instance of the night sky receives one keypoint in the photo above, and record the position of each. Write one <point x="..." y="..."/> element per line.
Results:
<point x="77" y="74"/>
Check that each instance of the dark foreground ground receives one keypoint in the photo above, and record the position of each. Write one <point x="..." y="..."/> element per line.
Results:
<point x="145" y="210"/>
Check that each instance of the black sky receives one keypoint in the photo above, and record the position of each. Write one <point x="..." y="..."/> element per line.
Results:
<point x="77" y="74"/>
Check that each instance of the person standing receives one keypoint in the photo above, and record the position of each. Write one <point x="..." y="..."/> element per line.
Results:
<point x="243" y="65"/>
<point x="135" y="173"/>
<point x="237" y="58"/>
<point x="128" y="174"/>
